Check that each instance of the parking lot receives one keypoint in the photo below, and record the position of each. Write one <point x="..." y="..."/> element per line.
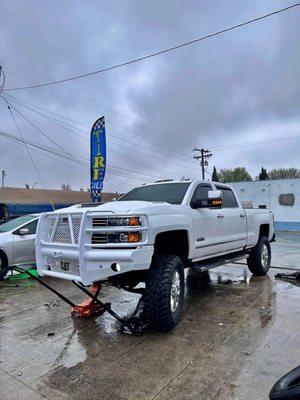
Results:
<point x="238" y="335"/>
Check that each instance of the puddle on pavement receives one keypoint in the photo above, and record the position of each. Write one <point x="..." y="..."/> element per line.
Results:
<point x="212" y="279"/>
<point x="73" y="352"/>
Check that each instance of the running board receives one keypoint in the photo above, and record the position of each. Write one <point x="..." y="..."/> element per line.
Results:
<point x="205" y="265"/>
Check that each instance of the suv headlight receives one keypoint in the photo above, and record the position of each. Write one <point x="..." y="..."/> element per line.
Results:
<point x="130" y="221"/>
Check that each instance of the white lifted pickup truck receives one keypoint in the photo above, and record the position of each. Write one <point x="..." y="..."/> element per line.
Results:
<point x="150" y="235"/>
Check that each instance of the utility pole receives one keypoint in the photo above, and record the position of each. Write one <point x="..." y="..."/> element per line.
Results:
<point x="4" y="174"/>
<point x="203" y="157"/>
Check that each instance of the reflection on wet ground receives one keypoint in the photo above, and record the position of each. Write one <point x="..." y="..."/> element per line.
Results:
<point x="237" y="336"/>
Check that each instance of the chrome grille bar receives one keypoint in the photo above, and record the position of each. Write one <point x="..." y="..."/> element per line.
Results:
<point x="99" y="222"/>
<point x="99" y="238"/>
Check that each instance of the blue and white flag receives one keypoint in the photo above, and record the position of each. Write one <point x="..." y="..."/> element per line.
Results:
<point x="98" y="158"/>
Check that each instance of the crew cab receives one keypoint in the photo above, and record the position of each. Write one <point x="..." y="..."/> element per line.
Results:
<point x="150" y="235"/>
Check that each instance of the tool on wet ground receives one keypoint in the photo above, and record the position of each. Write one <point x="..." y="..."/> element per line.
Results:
<point x="21" y="276"/>
<point x="133" y="324"/>
<point x="295" y="276"/>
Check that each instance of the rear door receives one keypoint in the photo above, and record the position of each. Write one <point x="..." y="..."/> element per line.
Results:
<point x="24" y="246"/>
<point x="207" y="225"/>
<point x="234" y="223"/>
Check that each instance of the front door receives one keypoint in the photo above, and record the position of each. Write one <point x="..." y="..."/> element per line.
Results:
<point x="234" y="221"/>
<point x="24" y="245"/>
<point x="207" y="225"/>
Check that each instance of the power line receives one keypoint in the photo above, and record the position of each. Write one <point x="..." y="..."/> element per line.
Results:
<point x="175" y="161"/>
<point x="58" y="154"/>
<point x="26" y="103"/>
<point x="60" y="123"/>
<point x="27" y="149"/>
<point x="116" y="152"/>
<point x="167" y="50"/>
<point x="20" y="142"/>
<point x="69" y="89"/>
<point x="247" y="144"/>
<point x="42" y="132"/>
<point x="83" y="109"/>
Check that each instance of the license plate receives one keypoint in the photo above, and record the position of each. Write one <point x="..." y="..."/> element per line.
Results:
<point x="65" y="265"/>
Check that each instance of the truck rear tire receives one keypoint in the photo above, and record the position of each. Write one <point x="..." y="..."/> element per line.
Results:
<point x="164" y="292"/>
<point x="3" y="266"/>
<point x="259" y="259"/>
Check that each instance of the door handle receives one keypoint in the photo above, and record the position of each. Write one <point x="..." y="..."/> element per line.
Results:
<point x="220" y="216"/>
<point x="242" y="215"/>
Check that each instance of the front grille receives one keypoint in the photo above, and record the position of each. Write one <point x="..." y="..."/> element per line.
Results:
<point x="62" y="265"/>
<point x="76" y="223"/>
<point x="62" y="232"/>
<point x="49" y="227"/>
<point x="58" y="228"/>
<point x="99" y="222"/>
<point x="99" y="238"/>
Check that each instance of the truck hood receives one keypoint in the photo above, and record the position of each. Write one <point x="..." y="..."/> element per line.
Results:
<point x="130" y="207"/>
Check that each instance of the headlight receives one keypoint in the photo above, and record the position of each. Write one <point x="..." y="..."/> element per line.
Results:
<point x="124" y="237"/>
<point x="130" y="221"/>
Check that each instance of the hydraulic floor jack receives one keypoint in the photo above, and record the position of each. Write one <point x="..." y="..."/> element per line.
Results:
<point x="133" y="324"/>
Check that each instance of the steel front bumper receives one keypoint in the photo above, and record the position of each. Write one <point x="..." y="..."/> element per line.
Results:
<point x="91" y="265"/>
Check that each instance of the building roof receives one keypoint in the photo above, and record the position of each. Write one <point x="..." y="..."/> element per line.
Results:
<point x="42" y="196"/>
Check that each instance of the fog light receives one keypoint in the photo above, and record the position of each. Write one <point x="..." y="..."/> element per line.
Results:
<point x="134" y="237"/>
<point x="116" y="267"/>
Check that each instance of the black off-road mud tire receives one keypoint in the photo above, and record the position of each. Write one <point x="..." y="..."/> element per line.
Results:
<point x="259" y="259"/>
<point x="166" y="274"/>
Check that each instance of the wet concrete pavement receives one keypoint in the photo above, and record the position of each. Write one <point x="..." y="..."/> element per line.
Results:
<point x="234" y="341"/>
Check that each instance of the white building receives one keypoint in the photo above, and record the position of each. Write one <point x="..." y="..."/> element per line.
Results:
<point x="282" y="196"/>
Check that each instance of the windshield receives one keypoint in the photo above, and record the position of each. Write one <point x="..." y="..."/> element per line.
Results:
<point x="15" y="223"/>
<point x="172" y="193"/>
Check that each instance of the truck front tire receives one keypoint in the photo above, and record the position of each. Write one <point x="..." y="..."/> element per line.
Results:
<point x="164" y="292"/>
<point x="259" y="259"/>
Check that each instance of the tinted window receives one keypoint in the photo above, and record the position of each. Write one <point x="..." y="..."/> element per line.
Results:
<point x="201" y="192"/>
<point x="15" y="223"/>
<point x="31" y="227"/>
<point x="172" y="193"/>
<point x="229" y="199"/>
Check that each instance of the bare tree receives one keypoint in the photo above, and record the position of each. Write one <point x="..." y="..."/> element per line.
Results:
<point x="284" y="173"/>
<point x="66" y="186"/>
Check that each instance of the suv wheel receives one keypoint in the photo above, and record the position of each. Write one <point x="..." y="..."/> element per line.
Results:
<point x="3" y="266"/>
<point x="164" y="292"/>
<point x="259" y="259"/>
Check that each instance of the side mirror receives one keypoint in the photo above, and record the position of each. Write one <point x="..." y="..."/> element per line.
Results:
<point x="23" y="231"/>
<point x="214" y="200"/>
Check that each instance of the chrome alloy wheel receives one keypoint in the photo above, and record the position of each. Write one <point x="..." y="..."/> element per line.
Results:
<point x="264" y="256"/>
<point x="175" y="291"/>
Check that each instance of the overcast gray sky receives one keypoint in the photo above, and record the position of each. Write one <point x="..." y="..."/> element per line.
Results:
<point x="235" y="89"/>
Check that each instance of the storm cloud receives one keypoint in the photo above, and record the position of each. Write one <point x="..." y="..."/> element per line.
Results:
<point x="238" y="88"/>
